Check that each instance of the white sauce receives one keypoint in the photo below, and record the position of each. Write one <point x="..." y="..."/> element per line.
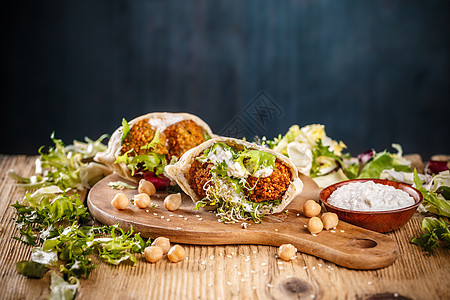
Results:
<point x="369" y="196"/>
<point x="236" y="170"/>
<point x="264" y="172"/>
<point x="162" y="123"/>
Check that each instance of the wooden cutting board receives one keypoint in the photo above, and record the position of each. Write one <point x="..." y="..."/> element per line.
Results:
<point x="348" y="245"/>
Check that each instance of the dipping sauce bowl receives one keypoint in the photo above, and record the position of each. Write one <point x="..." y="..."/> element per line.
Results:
<point x="379" y="221"/>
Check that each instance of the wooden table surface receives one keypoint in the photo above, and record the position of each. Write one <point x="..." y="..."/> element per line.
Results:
<point x="227" y="272"/>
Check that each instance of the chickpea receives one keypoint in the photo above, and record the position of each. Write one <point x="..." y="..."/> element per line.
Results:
<point x="147" y="187"/>
<point x="163" y="243"/>
<point x="142" y="200"/>
<point x="172" y="202"/>
<point x="311" y="209"/>
<point x="287" y="252"/>
<point x="153" y="253"/>
<point x="120" y="201"/>
<point x="329" y="220"/>
<point x="176" y="253"/>
<point x="315" y="225"/>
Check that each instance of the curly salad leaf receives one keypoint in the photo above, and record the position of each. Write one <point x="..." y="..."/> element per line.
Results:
<point x="65" y="166"/>
<point x="434" y="233"/>
<point x="151" y="161"/>
<point x="310" y="149"/>
<point x="434" y="201"/>
<point x="44" y="221"/>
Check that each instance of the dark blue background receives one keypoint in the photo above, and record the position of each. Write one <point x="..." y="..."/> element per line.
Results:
<point x="373" y="72"/>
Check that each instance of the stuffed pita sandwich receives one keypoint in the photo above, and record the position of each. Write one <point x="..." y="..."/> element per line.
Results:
<point x="240" y="180"/>
<point x="142" y="147"/>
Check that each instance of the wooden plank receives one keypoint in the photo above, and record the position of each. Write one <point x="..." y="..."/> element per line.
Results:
<point x="228" y="271"/>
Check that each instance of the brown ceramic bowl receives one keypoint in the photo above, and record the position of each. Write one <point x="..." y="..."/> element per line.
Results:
<point x="380" y="221"/>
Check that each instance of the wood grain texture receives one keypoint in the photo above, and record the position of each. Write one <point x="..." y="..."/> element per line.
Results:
<point x="228" y="271"/>
<point x="348" y="245"/>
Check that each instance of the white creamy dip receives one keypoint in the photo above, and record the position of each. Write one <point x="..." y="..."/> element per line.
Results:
<point x="369" y="196"/>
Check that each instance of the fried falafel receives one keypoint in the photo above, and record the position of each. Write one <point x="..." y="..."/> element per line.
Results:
<point x="269" y="188"/>
<point x="199" y="175"/>
<point x="183" y="136"/>
<point x="141" y="134"/>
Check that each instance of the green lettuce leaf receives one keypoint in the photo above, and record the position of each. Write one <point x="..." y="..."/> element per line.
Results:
<point x="434" y="233"/>
<point x="61" y="289"/>
<point x="381" y="161"/>
<point x="125" y="130"/>
<point x="431" y="201"/>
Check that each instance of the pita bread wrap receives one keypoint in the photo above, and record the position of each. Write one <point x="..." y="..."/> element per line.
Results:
<point x="159" y="121"/>
<point x="180" y="173"/>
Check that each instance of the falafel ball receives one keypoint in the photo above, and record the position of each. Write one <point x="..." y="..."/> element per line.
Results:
<point x="269" y="188"/>
<point x="142" y="133"/>
<point x="199" y="175"/>
<point x="183" y="136"/>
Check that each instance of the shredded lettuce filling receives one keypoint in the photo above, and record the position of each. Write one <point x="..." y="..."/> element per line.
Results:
<point x="227" y="186"/>
<point x="151" y="161"/>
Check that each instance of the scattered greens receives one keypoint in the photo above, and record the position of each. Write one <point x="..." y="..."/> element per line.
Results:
<point x="120" y="185"/>
<point x="434" y="233"/>
<point x="31" y="269"/>
<point x="65" y="166"/>
<point x="54" y="217"/>
<point x="61" y="289"/>
<point x="432" y="201"/>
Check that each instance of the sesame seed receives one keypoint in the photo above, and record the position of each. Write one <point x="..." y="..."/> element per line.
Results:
<point x="313" y="268"/>
<point x="263" y="264"/>
<point x="200" y="219"/>
<point x="185" y="219"/>
<point x="162" y="217"/>
<point x="168" y="220"/>
<point x="319" y="265"/>
<point x="332" y="231"/>
<point x="342" y="231"/>
<point x="314" y="234"/>
<point x="170" y="215"/>
<point x="155" y="214"/>
<point x="229" y="283"/>
<point x="269" y="285"/>
<point x="181" y="216"/>
<point x="229" y="256"/>
<point x="276" y="229"/>
<point x="255" y="251"/>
